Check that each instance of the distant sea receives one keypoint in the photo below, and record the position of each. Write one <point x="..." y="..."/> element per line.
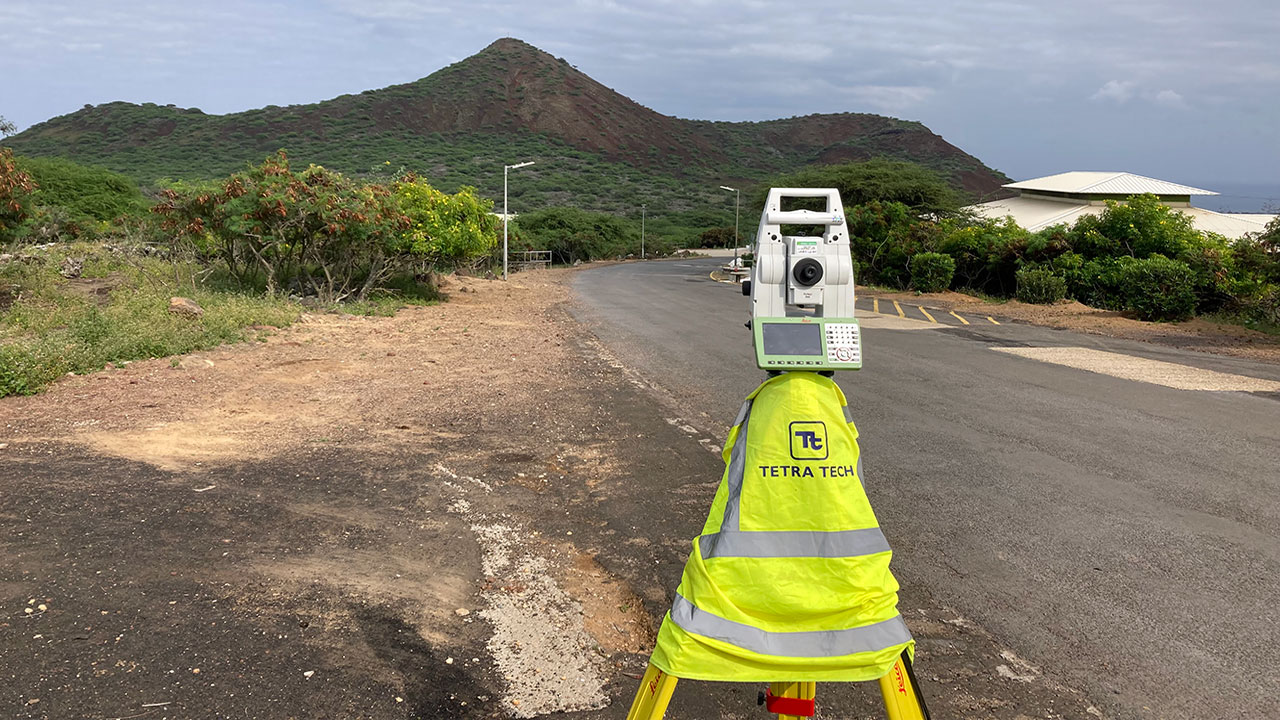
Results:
<point x="1239" y="197"/>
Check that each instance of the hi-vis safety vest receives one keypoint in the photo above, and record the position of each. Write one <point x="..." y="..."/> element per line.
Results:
<point x="789" y="580"/>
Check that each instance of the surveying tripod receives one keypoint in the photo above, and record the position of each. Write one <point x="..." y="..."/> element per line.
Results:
<point x="790" y="700"/>
<point x="803" y="325"/>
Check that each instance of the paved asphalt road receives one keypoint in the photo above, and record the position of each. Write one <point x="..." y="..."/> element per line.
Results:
<point x="1123" y="536"/>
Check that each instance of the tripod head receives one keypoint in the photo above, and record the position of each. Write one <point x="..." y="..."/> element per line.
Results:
<point x="802" y="288"/>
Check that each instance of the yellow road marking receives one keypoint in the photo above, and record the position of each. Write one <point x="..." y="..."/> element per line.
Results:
<point x="899" y="308"/>
<point x="954" y="315"/>
<point x="993" y="320"/>
<point x="926" y="314"/>
<point x="875" y="305"/>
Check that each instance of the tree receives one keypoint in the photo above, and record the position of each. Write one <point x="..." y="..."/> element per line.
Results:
<point x="7" y="128"/>
<point x="879" y="180"/>
<point x="717" y="237"/>
<point x="572" y="234"/>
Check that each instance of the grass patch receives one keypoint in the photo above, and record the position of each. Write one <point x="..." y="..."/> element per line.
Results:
<point x="1243" y="320"/>
<point x="117" y="311"/>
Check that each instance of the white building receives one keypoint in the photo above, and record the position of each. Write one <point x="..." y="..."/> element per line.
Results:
<point x="1065" y="197"/>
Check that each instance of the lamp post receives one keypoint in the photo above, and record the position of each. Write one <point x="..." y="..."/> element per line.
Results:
<point x="642" y="232"/>
<point x="736" y="197"/>
<point x="505" y="169"/>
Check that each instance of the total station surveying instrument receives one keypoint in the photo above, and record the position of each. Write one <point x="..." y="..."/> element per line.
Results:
<point x="804" y="273"/>
<point x="788" y="583"/>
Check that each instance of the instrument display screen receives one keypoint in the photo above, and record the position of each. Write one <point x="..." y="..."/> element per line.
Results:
<point x="792" y="338"/>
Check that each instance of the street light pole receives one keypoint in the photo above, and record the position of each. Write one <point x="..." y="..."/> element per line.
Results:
<point x="737" y="196"/>
<point x="642" y="232"/>
<point x="505" y="168"/>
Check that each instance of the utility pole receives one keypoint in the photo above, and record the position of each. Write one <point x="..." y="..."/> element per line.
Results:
<point x="505" y="168"/>
<point x="737" y="196"/>
<point x="642" y="232"/>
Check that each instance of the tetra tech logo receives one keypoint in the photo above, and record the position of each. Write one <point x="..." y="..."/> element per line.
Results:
<point x="809" y="440"/>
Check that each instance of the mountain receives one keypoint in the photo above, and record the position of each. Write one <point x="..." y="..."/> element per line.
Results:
<point x="510" y="102"/>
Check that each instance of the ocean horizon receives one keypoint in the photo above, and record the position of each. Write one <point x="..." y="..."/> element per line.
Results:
<point x="1239" y="197"/>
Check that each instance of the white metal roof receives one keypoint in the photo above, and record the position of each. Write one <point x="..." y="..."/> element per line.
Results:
<point x="1106" y="183"/>
<point x="1037" y="214"/>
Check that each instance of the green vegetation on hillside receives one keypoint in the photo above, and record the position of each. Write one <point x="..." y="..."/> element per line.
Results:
<point x="596" y="149"/>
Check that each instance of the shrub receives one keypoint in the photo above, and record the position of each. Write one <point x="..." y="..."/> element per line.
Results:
<point x="1040" y="285"/>
<point x="987" y="253"/>
<point x="1157" y="288"/>
<point x="1213" y="268"/>
<point x="312" y="231"/>
<point x="87" y="194"/>
<point x="884" y="237"/>
<point x="932" y="272"/>
<point x="16" y="188"/>
<point x="1263" y="306"/>
<point x="1099" y="282"/>
<point x="446" y="229"/>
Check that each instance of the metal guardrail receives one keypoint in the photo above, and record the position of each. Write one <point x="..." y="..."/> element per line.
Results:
<point x="533" y="260"/>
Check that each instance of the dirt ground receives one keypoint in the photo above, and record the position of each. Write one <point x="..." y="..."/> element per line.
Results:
<point x="465" y="510"/>
<point x="1195" y="334"/>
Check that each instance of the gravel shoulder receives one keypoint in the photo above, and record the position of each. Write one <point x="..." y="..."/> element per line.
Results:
<point x="465" y="510"/>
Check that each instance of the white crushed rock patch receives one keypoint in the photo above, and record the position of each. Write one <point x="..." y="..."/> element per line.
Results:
<point x="1157" y="372"/>
<point x="1021" y="670"/>
<point x="539" y="643"/>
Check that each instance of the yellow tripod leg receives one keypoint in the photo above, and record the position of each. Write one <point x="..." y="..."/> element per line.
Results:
<point x="801" y="690"/>
<point x="653" y="696"/>
<point x="902" y="700"/>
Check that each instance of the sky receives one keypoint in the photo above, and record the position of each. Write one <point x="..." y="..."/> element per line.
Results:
<point x="1183" y="90"/>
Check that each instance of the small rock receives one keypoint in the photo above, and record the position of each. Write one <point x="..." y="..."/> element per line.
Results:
<point x="185" y="307"/>
<point x="399" y="699"/>
<point x="462" y="612"/>
<point x="42" y="607"/>
<point x="71" y="267"/>
<point x="448" y="661"/>
<point x="193" y="362"/>
<point x="308" y="673"/>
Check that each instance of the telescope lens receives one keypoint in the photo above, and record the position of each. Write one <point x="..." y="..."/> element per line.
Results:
<point x="807" y="272"/>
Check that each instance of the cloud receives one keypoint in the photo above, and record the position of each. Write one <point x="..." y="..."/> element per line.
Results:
<point x="1169" y="98"/>
<point x="945" y="62"/>
<point x="1117" y="91"/>
<point x="890" y="98"/>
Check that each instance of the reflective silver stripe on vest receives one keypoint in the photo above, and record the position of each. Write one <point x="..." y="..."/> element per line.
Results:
<point x="793" y="544"/>
<point x="818" y="643"/>
<point x="737" y="465"/>
<point x="848" y="414"/>
<point x="861" y="479"/>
